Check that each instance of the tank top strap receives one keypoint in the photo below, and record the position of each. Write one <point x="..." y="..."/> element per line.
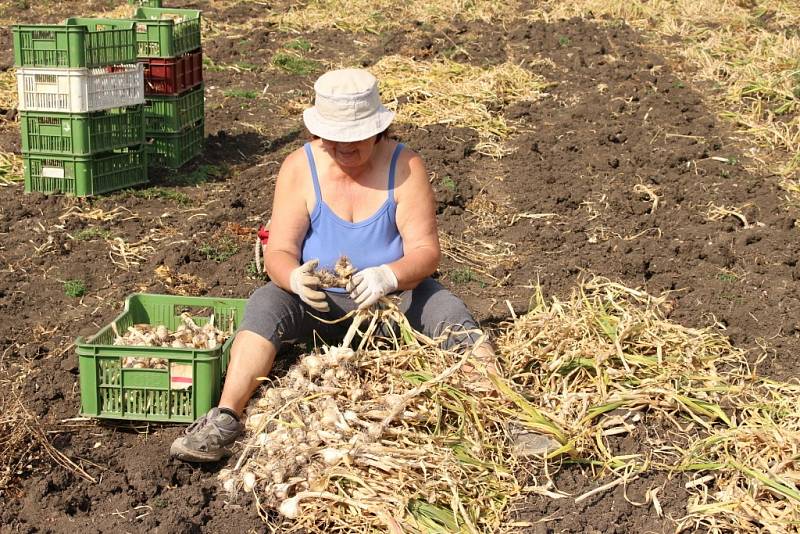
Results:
<point x="314" y="176"/>
<point x="393" y="169"/>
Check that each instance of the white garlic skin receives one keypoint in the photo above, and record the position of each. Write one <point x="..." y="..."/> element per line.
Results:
<point x="313" y="365"/>
<point x="248" y="480"/>
<point x="290" y="508"/>
<point x="332" y="456"/>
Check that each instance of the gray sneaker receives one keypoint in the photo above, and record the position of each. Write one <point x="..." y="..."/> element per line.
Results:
<point x="208" y="438"/>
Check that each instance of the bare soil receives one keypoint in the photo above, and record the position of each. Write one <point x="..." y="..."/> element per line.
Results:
<point x="616" y="117"/>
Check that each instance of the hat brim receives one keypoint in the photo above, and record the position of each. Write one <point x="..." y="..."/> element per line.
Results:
<point x="350" y="131"/>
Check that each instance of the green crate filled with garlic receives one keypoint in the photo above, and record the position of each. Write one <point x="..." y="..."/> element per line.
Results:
<point x="187" y="335"/>
<point x="163" y="359"/>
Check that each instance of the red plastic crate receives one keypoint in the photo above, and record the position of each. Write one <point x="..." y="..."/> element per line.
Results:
<point x="172" y="76"/>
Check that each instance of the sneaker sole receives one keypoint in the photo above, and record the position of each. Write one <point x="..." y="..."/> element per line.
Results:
<point x="177" y="450"/>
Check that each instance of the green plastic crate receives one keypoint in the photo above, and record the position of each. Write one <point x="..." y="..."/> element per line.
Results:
<point x="85" y="175"/>
<point x="164" y="32"/>
<point x="81" y="134"/>
<point x="173" y="150"/>
<point x="79" y="42"/>
<point x="173" y="114"/>
<point x="186" y="389"/>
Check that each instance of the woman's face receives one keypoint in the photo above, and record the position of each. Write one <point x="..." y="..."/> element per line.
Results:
<point x="353" y="154"/>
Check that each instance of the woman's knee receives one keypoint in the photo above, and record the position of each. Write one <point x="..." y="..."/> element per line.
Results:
<point x="438" y="313"/>
<point x="248" y="344"/>
<point x="273" y="314"/>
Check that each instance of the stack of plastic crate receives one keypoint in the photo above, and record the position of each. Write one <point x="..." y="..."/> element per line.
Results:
<point x="81" y="102"/>
<point x="170" y="51"/>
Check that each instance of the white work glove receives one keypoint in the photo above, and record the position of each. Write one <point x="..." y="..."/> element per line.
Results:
<point x="369" y="285"/>
<point x="305" y="284"/>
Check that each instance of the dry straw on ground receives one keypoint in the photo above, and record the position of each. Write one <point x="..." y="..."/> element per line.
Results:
<point x="10" y="164"/>
<point x="481" y="256"/>
<point x="10" y="168"/>
<point x="401" y="440"/>
<point x="23" y="441"/>
<point x="443" y="91"/>
<point x="8" y="89"/>
<point x="748" y="49"/>
<point x="379" y="15"/>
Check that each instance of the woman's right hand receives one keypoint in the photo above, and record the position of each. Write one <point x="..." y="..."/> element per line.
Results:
<point x="305" y="284"/>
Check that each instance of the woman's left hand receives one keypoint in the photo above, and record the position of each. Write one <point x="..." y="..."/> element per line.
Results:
<point x="368" y="286"/>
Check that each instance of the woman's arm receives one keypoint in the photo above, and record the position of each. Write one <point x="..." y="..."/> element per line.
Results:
<point x="416" y="220"/>
<point x="289" y="222"/>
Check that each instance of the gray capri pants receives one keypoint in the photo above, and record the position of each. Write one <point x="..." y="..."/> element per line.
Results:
<point x="281" y="317"/>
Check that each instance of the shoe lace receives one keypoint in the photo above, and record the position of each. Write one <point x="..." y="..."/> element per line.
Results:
<point x="197" y="425"/>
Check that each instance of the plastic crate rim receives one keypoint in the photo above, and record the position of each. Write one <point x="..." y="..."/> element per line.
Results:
<point x="84" y="343"/>
<point x="141" y="14"/>
<point x="84" y="22"/>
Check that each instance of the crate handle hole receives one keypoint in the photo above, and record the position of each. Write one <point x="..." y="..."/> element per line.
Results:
<point x="203" y="312"/>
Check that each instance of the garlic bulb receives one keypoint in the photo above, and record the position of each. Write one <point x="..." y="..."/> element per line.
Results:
<point x="281" y="490"/>
<point x="330" y="417"/>
<point x="162" y="333"/>
<point x="393" y="400"/>
<point x="278" y="476"/>
<point x="313" y="365"/>
<point x="332" y="456"/>
<point x="290" y="508"/>
<point x="299" y="435"/>
<point x="248" y="480"/>
<point x="329" y="375"/>
<point x="255" y="420"/>
<point x="199" y="340"/>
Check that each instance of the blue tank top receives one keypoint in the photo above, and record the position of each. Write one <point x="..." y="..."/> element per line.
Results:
<point x="368" y="243"/>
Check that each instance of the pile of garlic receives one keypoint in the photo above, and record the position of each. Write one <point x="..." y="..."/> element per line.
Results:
<point x="187" y="335"/>
<point x="319" y="416"/>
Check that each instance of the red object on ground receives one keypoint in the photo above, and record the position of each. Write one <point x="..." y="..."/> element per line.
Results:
<point x="263" y="234"/>
<point x="171" y="76"/>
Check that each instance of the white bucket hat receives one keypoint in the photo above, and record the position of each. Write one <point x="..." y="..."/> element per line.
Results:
<point x="347" y="107"/>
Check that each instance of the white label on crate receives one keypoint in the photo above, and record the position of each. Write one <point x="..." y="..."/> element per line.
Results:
<point x="180" y="376"/>
<point x="53" y="172"/>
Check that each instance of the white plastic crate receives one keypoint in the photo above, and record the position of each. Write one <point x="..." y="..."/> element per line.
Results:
<point x="80" y="90"/>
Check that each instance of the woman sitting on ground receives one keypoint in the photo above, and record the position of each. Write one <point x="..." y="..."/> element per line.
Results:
<point x="351" y="192"/>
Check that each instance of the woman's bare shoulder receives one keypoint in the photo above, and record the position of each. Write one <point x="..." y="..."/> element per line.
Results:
<point x="410" y="168"/>
<point x="293" y="166"/>
<point x="407" y="154"/>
